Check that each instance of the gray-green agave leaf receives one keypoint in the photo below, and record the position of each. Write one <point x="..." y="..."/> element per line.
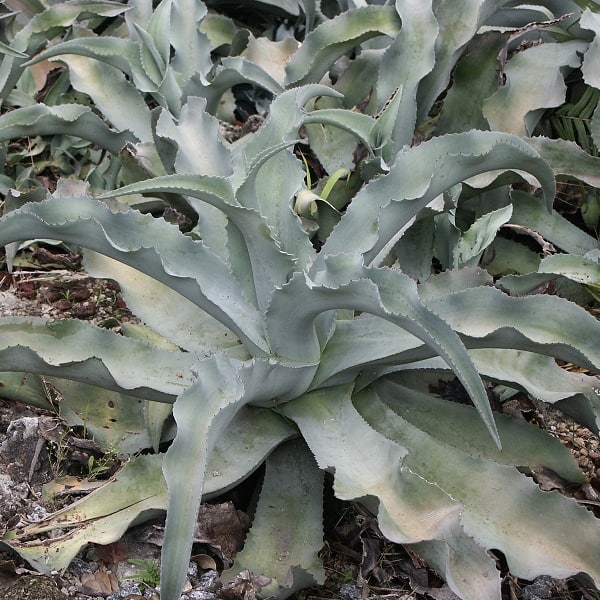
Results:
<point x="64" y="119"/>
<point x="325" y="44"/>
<point x="286" y="533"/>
<point x="405" y="62"/>
<point x="269" y="266"/>
<point x="408" y="473"/>
<point x="516" y="107"/>
<point x="203" y="414"/>
<point x="77" y="350"/>
<point x="493" y="319"/>
<point x="346" y="284"/>
<point x="90" y="223"/>
<point x="44" y="26"/>
<point x="434" y="167"/>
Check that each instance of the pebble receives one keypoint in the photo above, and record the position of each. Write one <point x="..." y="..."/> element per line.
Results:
<point x="37" y="514"/>
<point x="127" y="588"/>
<point x="540" y="589"/>
<point x="79" y="567"/>
<point x="208" y="579"/>
<point x="192" y="571"/>
<point x="198" y="595"/>
<point x="350" y="591"/>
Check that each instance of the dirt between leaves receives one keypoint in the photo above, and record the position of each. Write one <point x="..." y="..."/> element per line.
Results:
<point x="360" y="564"/>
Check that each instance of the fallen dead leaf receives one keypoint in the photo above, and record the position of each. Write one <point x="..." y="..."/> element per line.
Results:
<point x="223" y="528"/>
<point x="102" y="583"/>
<point x="113" y="553"/>
<point x="245" y="587"/>
<point x="548" y="479"/>
<point x="40" y="73"/>
<point x="205" y="562"/>
<point x="69" y="485"/>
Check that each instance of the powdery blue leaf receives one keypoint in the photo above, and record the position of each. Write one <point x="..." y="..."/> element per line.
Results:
<point x="46" y="25"/>
<point x="530" y="212"/>
<point x="517" y="106"/>
<point x="332" y="38"/>
<point x="120" y="102"/>
<point x="458" y="23"/>
<point x="151" y="245"/>
<point x="384" y="208"/>
<point x="474" y="79"/>
<point x="405" y="62"/>
<point x="192" y="47"/>
<point x="539" y="541"/>
<point x="269" y="265"/>
<point x="480" y="235"/>
<point x="346" y="284"/>
<point x="366" y="463"/>
<point x="491" y="318"/>
<point x="167" y="312"/>
<point x="195" y="135"/>
<point x="77" y="350"/>
<point x="567" y="158"/>
<point x="203" y="414"/>
<point x="65" y="119"/>
<point x="459" y="426"/>
<point x="235" y="70"/>
<point x="287" y="531"/>
<point x="591" y="72"/>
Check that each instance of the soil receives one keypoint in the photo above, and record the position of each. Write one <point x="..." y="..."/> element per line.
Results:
<point x="360" y="564"/>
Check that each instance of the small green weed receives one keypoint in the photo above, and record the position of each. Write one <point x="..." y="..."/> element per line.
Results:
<point x="149" y="576"/>
<point x="100" y="466"/>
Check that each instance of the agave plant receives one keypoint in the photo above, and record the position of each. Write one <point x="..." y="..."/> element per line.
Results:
<point x="267" y="351"/>
<point x="327" y="345"/>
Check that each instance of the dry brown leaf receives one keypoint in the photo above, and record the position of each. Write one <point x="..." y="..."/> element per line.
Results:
<point x="112" y="553"/>
<point x="205" y="562"/>
<point x="103" y="583"/>
<point x="69" y="485"/>
<point x="40" y="72"/>
<point x="245" y="587"/>
<point x="222" y="527"/>
<point x="548" y="479"/>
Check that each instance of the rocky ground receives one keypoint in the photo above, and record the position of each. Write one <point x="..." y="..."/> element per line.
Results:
<point x="360" y="563"/>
